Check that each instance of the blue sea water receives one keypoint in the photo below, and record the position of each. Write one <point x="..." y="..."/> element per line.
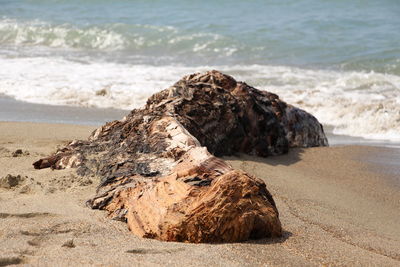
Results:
<point x="338" y="59"/>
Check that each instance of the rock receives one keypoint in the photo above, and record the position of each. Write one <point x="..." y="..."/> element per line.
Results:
<point x="102" y="92"/>
<point x="11" y="181"/>
<point x="35" y="242"/>
<point x="69" y="244"/>
<point x="5" y="260"/>
<point x="19" y="153"/>
<point x="158" y="166"/>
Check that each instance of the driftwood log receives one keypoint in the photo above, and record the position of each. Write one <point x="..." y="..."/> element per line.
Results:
<point x="159" y="168"/>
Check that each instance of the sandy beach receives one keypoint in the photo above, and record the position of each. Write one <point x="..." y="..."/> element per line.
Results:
<point x="255" y="77"/>
<point x="338" y="207"/>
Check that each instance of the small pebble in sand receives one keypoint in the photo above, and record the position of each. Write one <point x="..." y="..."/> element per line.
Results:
<point x="102" y="92"/>
<point x="20" y="153"/>
<point x="11" y="181"/>
<point x="69" y="244"/>
<point x="17" y="153"/>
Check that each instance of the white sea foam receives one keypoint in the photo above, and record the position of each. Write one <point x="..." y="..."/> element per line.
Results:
<point x="37" y="32"/>
<point x="112" y="37"/>
<point x="355" y="103"/>
<point x="62" y="82"/>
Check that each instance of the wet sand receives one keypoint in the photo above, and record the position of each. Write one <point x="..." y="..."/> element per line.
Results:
<point x="338" y="206"/>
<point x="14" y="110"/>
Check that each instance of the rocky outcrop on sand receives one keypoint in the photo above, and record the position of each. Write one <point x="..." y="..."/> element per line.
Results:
<point x="159" y="168"/>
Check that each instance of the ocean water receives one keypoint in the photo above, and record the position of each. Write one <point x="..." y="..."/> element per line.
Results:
<point x="337" y="59"/>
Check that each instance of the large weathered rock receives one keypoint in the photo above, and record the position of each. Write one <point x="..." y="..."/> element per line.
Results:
<point x="158" y="166"/>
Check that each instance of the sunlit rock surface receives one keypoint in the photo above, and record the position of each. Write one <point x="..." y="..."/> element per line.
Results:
<point x="159" y="168"/>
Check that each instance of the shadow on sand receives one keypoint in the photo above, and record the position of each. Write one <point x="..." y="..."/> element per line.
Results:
<point x="262" y="241"/>
<point x="266" y="241"/>
<point x="293" y="156"/>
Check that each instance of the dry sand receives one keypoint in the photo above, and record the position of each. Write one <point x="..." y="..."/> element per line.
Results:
<point x="339" y="206"/>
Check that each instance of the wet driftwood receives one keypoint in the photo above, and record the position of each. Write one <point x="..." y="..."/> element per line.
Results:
<point x="159" y="168"/>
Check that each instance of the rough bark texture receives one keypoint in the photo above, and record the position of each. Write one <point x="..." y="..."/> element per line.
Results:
<point x="158" y="167"/>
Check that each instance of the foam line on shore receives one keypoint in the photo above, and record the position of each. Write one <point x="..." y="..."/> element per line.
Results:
<point x="355" y="103"/>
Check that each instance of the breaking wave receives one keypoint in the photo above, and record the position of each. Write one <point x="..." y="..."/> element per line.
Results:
<point x="363" y="104"/>
<point x="113" y="37"/>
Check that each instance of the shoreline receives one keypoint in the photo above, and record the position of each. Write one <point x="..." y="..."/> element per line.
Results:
<point x="338" y="206"/>
<point x="12" y="110"/>
<point x="18" y="111"/>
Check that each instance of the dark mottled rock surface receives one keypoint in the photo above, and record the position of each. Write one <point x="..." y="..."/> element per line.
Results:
<point x="158" y="170"/>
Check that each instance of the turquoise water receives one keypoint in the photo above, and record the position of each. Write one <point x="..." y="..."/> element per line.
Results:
<point x="351" y="35"/>
<point x="337" y="59"/>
